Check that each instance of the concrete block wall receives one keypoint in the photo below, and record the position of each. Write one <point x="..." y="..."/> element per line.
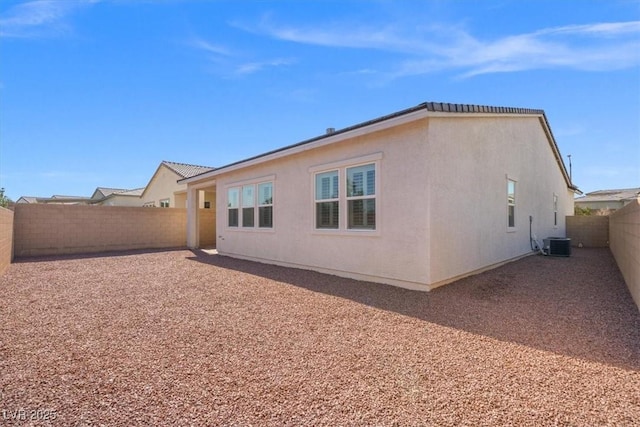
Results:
<point x="71" y="229"/>
<point x="6" y="238"/>
<point x="624" y="231"/>
<point x="592" y="231"/>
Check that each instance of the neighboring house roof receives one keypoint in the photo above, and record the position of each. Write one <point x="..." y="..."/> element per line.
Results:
<point x="103" y="192"/>
<point x="186" y="170"/>
<point x="619" y="195"/>
<point x="136" y="192"/>
<point x="27" y="199"/>
<point x="426" y="109"/>
<point x="183" y="170"/>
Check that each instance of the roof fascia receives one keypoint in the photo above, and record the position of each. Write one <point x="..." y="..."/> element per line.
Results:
<point x="313" y="144"/>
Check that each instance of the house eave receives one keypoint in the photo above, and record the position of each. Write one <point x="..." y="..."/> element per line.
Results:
<point x="421" y="111"/>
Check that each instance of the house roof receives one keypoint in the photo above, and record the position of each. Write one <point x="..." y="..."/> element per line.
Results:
<point x="618" y="195"/>
<point x="106" y="191"/>
<point x="419" y="111"/>
<point x="183" y="170"/>
<point x="136" y="192"/>
<point x="186" y="170"/>
<point x="28" y="199"/>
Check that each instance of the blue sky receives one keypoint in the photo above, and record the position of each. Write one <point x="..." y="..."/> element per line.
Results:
<point x="97" y="93"/>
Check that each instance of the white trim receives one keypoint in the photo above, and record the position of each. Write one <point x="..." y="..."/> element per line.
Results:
<point x="555" y="199"/>
<point x="258" y="180"/>
<point x="256" y="219"/>
<point x="343" y="216"/>
<point x="354" y="161"/>
<point x="510" y="178"/>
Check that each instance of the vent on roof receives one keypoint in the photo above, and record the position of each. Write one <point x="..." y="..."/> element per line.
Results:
<point x="330" y="131"/>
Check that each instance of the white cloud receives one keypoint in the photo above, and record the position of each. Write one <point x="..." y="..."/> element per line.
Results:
<point x="598" y="46"/>
<point x="253" y="67"/>
<point x="39" y="18"/>
<point x="209" y="47"/>
<point x="233" y="62"/>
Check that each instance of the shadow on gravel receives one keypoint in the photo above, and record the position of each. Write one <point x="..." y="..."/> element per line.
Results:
<point x="577" y="306"/>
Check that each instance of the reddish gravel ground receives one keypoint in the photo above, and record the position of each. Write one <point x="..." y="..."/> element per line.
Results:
<point x="183" y="338"/>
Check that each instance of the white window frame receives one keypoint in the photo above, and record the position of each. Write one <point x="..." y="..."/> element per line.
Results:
<point x="341" y="167"/>
<point x="165" y="201"/>
<point x="256" y="206"/>
<point x="555" y="210"/>
<point x="510" y="179"/>
<point x="318" y="201"/>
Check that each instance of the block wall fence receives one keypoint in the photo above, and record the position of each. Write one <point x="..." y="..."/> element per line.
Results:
<point x="6" y="238"/>
<point x="592" y="231"/>
<point x="624" y="233"/>
<point x="75" y="229"/>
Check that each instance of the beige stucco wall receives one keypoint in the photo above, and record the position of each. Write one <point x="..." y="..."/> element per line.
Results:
<point x="624" y="235"/>
<point x="395" y="254"/>
<point x="469" y="160"/>
<point x="204" y="196"/>
<point x="590" y="230"/>
<point x="6" y="238"/>
<point x="122" y="201"/>
<point x="162" y="186"/>
<point x="67" y="229"/>
<point x="207" y="227"/>
<point x="442" y="202"/>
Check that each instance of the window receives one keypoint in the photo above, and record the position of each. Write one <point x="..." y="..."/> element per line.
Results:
<point x="248" y="205"/>
<point x="244" y="201"/>
<point x="511" y="203"/>
<point x="164" y="203"/>
<point x="361" y="197"/>
<point x="327" y="203"/>
<point x="265" y="205"/>
<point x="555" y="210"/>
<point x="207" y="205"/>
<point x="351" y="209"/>
<point x="233" y="202"/>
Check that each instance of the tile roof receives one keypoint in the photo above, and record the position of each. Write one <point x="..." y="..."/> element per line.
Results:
<point x="135" y="192"/>
<point x="185" y="170"/>
<point x="616" y="195"/>
<point x="106" y="191"/>
<point x="28" y="199"/>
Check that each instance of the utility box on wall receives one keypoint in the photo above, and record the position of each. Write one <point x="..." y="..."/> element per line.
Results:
<point x="557" y="246"/>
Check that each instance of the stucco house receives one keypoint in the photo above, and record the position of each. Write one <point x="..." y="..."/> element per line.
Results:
<point x="607" y="200"/>
<point x="164" y="191"/>
<point x="416" y="199"/>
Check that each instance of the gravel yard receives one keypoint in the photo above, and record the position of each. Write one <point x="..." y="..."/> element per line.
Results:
<point x="183" y="338"/>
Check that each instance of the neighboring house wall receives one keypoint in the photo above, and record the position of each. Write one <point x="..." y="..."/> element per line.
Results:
<point x="69" y="229"/>
<point x="115" y="200"/>
<point x="592" y="231"/>
<point x="163" y="185"/>
<point x="6" y="238"/>
<point x="442" y="201"/>
<point x="624" y="231"/>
